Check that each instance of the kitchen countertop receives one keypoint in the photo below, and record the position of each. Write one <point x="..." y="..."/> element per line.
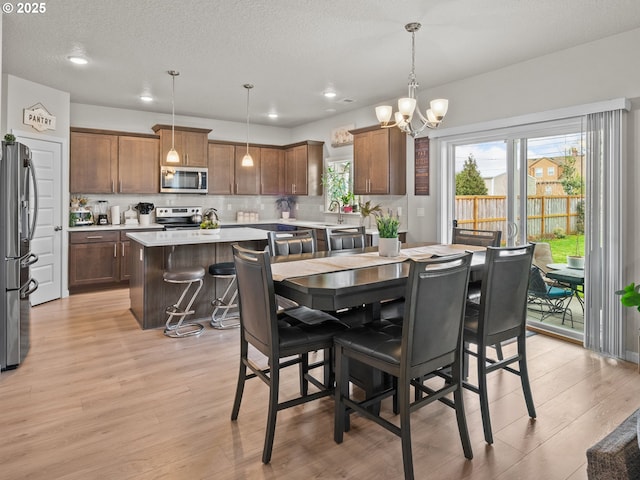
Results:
<point x="94" y="228"/>
<point x="193" y="237"/>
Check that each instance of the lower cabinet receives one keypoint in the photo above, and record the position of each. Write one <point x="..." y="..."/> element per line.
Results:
<point x="98" y="259"/>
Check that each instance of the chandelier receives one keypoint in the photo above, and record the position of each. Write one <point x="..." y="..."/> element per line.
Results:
<point x="407" y="105"/>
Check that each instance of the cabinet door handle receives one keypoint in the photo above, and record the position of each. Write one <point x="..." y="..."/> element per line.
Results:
<point x="93" y="237"/>
<point x="112" y="187"/>
<point x="122" y="243"/>
<point x="120" y="187"/>
<point x="115" y="250"/>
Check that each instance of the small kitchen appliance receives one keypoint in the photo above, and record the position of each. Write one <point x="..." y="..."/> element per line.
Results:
<point x="179" y="218"/>
<point x="102" y="207"/>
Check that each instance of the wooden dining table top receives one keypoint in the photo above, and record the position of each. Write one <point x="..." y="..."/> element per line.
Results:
<point x="335" y="290"/>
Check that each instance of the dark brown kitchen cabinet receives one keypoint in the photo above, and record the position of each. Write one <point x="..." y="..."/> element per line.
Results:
<point x="138" y="169"/>
<point x="272" y="171"/>
<point x="104" y="161"/>
<point x="222" y="158"/>
<point x="379" y="161"/>
<point x="94" y="258"/>
<point x="93" y="162"/>
<point x="247" y="179"/>
<point x="99" y="258"/>
<point x="190" y="143"/>
<point x="303" y="168"/>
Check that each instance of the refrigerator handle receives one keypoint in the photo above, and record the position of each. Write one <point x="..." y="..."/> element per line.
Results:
<point x="30" y="260"/>
<point x="30" y="287"/>
<point x="32" y="229"/>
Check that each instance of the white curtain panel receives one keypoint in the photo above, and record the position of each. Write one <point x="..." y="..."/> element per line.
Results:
<point x="604" y="325"/>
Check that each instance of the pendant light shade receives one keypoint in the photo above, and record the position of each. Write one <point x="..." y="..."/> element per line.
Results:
<point x="172" y="156"/>
<point x="247" y="160"/>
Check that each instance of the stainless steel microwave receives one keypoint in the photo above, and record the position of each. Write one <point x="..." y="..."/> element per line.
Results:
<point x="184" y="179"/>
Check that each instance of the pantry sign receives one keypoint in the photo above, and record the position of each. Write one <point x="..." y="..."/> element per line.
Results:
<point x="39" y="118"/>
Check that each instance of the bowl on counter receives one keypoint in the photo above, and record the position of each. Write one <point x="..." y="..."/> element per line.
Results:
<point x="210" y="231"/>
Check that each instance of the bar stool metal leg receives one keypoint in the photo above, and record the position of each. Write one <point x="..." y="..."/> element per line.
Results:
<point x="225" y="312"/>
<point x="181" y="328"/>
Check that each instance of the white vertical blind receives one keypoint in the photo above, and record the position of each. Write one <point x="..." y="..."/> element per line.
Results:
<point x="604" y="329"/>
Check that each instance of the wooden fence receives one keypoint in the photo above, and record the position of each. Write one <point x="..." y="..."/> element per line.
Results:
<point x="544" y="213"/>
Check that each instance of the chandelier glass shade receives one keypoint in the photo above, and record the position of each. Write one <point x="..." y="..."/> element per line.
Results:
<point x="247" y="160"/>
<point x="403" y="118"/>
<point x="172" y="156"/>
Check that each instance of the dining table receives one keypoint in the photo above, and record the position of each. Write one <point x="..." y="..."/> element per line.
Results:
<point x="573" y="278"/>
<point x="335" y="280"/>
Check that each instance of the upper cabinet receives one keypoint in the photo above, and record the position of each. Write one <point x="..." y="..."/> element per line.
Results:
<point x="247" y="179"/>
<point x="190" y="143"/>
<point x="113" y="162"/>
<point x="379" y="161"/>
<point x="303" y="169"/>
<point x="222" y="159"/>
<point x="272" y="170"/>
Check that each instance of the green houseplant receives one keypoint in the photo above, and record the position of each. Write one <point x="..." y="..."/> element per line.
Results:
<point x="388" y="243"/>
<point x="336" y="183"/>
<point x="630" y="296"/>
<point x="10" y="138"/>
<point x="210" y="227"/>
<point x="366" y="209"/>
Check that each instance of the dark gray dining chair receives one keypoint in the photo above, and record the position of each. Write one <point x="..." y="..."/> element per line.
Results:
<point x="481" y="238"/>
<point x="292" y="333"/>
<point x="292" y="242"/>
<point x="428" y="343"/>
<point x="345" y="238"/>
<point x="500" y="316"/>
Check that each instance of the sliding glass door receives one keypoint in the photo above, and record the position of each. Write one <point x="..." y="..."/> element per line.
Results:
<point x="529" y="183"/>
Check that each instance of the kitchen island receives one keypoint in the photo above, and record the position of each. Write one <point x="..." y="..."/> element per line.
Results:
<point x="150" y="255"/>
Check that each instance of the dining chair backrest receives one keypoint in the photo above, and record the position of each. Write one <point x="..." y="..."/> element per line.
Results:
<point x="256" y="299"/>
<point x="481" y="238"/>
<point x="345" y="238"/>
<point x="292" y="242"/>
<point x="503" y="298"/>
<point x="434" y="312"/>
<point x="537" y="286"/>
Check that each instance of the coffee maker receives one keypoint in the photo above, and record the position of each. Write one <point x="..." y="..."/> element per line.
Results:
<point x="102" y="207"/>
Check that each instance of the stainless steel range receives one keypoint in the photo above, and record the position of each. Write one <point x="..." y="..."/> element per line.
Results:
<point x="179" y="218"/>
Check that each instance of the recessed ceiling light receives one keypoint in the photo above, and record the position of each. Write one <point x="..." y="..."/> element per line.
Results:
<point x="78" y="60"/>
<point x="272" y="115"/>
<point x="146" y="98"/>
<point x="330" y="94"/>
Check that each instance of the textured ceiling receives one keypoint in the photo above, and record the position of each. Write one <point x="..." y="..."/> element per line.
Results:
<point x="292" y="50"/>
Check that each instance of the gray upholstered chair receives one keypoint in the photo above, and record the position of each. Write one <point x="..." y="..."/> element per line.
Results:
<point x="500" y="316"/>
<point x="345" y="237"/>
<point x="292" y="333"/>
<point x="428" y="343"/>
<point x="292" y="242"/>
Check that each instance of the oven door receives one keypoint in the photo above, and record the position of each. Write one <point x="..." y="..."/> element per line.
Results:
<point x="183" y="180"/>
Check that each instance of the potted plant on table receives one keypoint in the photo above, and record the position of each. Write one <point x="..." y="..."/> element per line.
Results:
<point x="346" y="201"/>
<point x="388" y="243"/>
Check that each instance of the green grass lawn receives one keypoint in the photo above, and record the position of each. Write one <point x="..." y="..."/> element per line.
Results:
<point x="561" y="247"/>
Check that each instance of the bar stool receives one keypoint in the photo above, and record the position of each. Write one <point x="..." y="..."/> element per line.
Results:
<point x="221" y="317"/>
<point x="184" y="276"/>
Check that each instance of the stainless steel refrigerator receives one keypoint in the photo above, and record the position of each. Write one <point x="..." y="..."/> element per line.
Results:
<point x="18" y="215"/>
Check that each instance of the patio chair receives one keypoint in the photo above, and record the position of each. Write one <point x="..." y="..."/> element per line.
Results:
<point x="546" y="299"/>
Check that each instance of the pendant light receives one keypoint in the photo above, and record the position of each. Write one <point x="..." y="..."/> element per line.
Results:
<point x="172" y="156"/>
<point x="247" y="160"/>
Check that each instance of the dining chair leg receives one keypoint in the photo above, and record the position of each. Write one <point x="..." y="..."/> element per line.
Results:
<point x="242" y="376"/>
<point x="304" y="369"/>
<point x="405" y="428"/>
<point x="458" y="399"/>
<point x="524" y="375"/>
<point x="274" y="387"/>
<point x="482" y="393"/>
<point x="465" y="361"/>
<point x="498" y="347"/>
<point x="341" y="390"/>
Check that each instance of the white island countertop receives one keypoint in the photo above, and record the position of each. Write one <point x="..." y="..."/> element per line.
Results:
<point x="194" y="237"/>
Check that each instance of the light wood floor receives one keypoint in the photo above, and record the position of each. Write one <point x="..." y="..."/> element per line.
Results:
<point x="98" y="398"/>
